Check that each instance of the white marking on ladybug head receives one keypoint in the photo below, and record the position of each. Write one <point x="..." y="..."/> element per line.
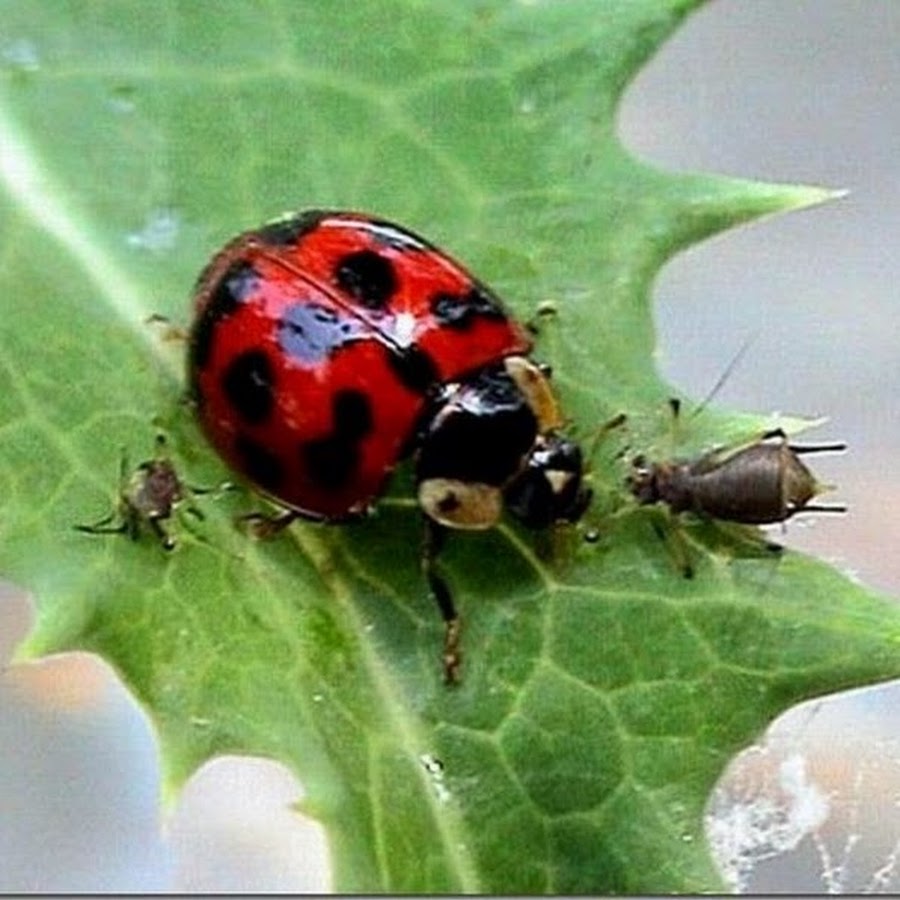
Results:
<point x="558" y="479"/>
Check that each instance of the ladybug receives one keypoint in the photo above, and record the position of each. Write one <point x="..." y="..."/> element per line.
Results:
<point x="328" y="346"/>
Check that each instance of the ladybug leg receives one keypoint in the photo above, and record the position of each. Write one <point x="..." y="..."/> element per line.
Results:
<point x="435" y="537"/>
<point x="546" y="309"/>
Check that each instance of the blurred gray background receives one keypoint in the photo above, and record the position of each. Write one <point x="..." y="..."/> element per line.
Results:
<point x="784" y="90"/>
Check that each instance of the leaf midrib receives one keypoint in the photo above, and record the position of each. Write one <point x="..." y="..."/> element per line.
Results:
<point x="448" y="822"/>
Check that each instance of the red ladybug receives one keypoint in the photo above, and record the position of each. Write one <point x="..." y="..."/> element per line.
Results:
<point x="328" y="346"/>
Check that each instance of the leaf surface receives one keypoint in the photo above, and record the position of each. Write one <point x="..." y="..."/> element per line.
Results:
<point x="603" y="693"/>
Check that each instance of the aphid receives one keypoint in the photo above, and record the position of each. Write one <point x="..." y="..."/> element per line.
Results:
<point x="758" y="484"/>
<point x="148" y="495"/>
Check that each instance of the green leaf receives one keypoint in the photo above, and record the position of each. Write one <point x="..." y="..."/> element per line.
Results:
<point x="603" y="693"/>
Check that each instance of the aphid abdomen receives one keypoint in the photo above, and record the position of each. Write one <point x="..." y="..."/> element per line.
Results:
<point x="745" y="489"/>
<point x="761" y="484"/>
<point x="669" y="483"/>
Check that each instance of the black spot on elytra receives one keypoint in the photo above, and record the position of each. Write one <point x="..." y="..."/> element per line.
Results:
<point x="459" y="311"/>
<point x="285" y="232"/>
<point x="414" y="367"/>
<point x="368" y="277"/>
<point x="224" y="297"/>
<point x="249" y="383"/>
<point x="260" y="465"/>
<point x="332" y="460"/>
<point x="309" y="332"/>
<point x="352" y="414"/>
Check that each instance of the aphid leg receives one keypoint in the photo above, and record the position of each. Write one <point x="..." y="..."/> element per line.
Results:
<point x="103" y="526"/>
<point x="264" y="527"/>
<point x="751" y="538"/>
<point x="434" y="539"/>
<point x="601" y="432"/>
<point x="197" y="491"/>
<point x="195" y="511"/>
<point x="674" y="541"/>
<point x="222" y="488"/>
<point x="675" y="409"/>
<point x="165" y="539"/>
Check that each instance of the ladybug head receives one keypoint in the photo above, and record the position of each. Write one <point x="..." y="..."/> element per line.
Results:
<point x="550" y="488"/>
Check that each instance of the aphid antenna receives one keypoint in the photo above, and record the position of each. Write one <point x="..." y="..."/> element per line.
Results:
<point x="722" y="380"/>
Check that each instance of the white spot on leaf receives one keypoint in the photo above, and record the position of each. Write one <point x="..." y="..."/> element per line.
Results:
<point x="159" y="232"/>
<point x="20" y="54"/>
<point x="435" y="769"/>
